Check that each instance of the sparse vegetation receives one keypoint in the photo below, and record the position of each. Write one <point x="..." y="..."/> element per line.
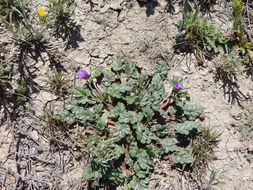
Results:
<point x="119" y="122"/>
<point x="198" y="36"/>
<point x="130" y="119"/>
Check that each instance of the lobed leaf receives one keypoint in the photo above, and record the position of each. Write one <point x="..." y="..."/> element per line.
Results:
<point x="182" y="157"/>
<point x="169" y="145"/>
<point x="122" y="130"/>
<point x="187" y="127"/>
<point x="192" y="112"/>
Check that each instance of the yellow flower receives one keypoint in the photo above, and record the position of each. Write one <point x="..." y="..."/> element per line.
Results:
<point x="41" y="12"/>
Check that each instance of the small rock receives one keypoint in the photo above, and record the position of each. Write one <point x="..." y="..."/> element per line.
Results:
<point x="34" y="135"/>
<point x="250" y="148"/>
<point x="116" y="5"/>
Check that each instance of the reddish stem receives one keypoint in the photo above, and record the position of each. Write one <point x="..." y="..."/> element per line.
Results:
<point x="124" y="168"/>
<point x="165" y="104"/>
<point x="111" y="122"/>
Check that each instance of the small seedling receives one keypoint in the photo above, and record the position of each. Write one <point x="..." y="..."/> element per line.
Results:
<point x="20" y="94"/>
<point x="58" y="83"/>
<point x="129" y="119"/>
<point x="216" y="179"/>
<point x="4" y="83"/>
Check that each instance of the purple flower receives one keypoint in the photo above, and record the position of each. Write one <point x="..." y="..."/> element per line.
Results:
<point x="82" y="74"/>
<point x="177" y="85"/>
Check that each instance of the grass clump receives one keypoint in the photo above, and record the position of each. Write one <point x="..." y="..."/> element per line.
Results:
<point x="231" y="63"/>
<point x="198" y="35"/>
<point x="130" y="119"/>
<point x="58" y="83"/>
<point x="203" y="146"/>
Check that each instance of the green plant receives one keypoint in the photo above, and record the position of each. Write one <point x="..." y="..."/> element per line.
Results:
<point x="20" y="94"/>
<point x="216" y="179"/>
<point x="58" y="83"/>
<point x="25" y="24"/>
<point x="232" y="62"/>
<point x="62" y="9"/>
<point x="203" y="145"/>
<point x="129" y="120"/>
<point x="197" y="34"/>
<point x="240" y="37"/>
<point x="4" y="74"/>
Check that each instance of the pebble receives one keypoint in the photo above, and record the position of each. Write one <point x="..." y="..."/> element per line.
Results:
<point x="250" y="148"/>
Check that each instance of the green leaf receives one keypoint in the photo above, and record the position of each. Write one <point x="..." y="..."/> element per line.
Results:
<point x="133" y="150"/>
<point x="144" y="135"/>
<point x="143" y="161"/>
<point x="116" y="63"/>
<point x="129" y="68"/>
<point x="108" y="78"/>
<point x="137" y="184"/>
<point x="70" y="104"/>
<point x="192" y="111"/>
<point x="119" y="150"/>
<point x="65" y="116"/>
<point x="96" y="74"/>
<point x="162" y="69"/>
<point x="144" y="98"/>
<point x="114" y="91"/>
<point x="144" y="78"/>
<point x="187" y="127"/>
<point x="160" y="130"/>
<point x="130" y="99"/>
<point x="83" y="96"/>
<point x="91" y="174"/>
<point x="129" y="117"/>
<point x="121" y="131"/>
<point x="81" y="92"/>
<point x="171" y="110"/>
<point x="176" y="79"/>
<point x="98" y="108"/>
<point x="129" y="160"/>
<point x="101" y="122"/>
<point x="157" y="83"/>
<point x="124" y="88"/>
<point x="148" y="113"/>
<point x="117" y="110"/>
<point x="170" y="145"/>
<point x="182" y="157"/>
